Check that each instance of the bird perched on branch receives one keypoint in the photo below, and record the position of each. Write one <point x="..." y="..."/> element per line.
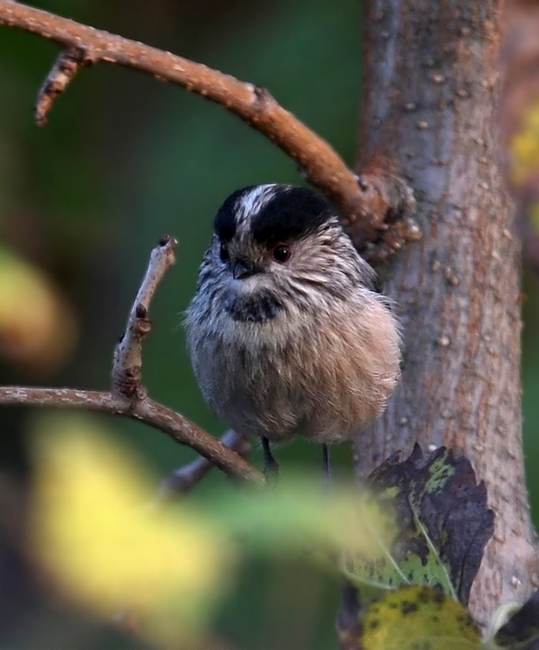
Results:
<point x="286" y="332"/>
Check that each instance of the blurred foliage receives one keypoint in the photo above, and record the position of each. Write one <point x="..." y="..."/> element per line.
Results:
<point x="518" y="123"/>
<point x="125" y="159"/>
<point x="524" y="146"/>
<point x="89" y="531"/>
<point x="164" y="570"/>
<point x="170" y="567"/>
<point x="37" y="330"/>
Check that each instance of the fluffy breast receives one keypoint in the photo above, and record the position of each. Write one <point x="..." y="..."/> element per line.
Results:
<point x="322" y="377"/>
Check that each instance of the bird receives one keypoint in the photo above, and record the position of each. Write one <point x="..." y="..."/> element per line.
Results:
<point x="287" y="332"/>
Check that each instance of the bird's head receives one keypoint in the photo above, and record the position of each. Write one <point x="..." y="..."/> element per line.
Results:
<point x="279" y="247"/>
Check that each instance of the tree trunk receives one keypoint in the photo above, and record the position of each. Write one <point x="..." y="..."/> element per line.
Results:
<point x="432" y="84"/>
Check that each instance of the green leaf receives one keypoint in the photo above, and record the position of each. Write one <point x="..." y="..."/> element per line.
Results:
<point x="521" y="632"/>
<point x="297" y="515"/>
<point x="412" y="618"/>
<point x="444" y="522"/>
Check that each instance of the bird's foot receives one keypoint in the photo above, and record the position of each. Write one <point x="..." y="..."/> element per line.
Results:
<point x="326" y="465"/>
<point x="271" y="466"/>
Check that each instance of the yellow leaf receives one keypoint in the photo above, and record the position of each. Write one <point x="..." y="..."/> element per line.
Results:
<point x="524" y="146"/>
<point x="418" y="617"/>
<point x="91" y="532"/>
<point x="37" y="330"/>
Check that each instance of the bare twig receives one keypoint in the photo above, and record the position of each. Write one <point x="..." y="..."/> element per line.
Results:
<point x="364" y="212"/>
<point x="70" y="61"/>
<point x="127" y="364"/>
<point x="185" y="478"/>
<point x="251" y="103"/>
<point x="128" y="397"/>
<point x="145" y="410"/>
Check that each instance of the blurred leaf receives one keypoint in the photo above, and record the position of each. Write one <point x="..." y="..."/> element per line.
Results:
<point x="519" y="102"/>
<point x="524" y="146"/>
<point x="170" y="565"/>
<point x="518" y="117"/>
<point x="90" y="532"/>
<point x="521" y="632"/>
<point x="298" y="514"/>
<point x="411" y="618"/>
<point x="37" y="330"/>
<point x="444" y="524"/>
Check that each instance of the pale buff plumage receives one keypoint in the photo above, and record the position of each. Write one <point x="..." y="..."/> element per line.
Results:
<point x="322" y="359"/>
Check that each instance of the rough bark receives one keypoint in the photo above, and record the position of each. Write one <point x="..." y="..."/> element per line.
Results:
<point x="432" y="82"/>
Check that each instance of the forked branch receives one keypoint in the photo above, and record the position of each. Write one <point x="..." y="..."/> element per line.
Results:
<point x="365" y="205"/>
<point x="128" y="397"/>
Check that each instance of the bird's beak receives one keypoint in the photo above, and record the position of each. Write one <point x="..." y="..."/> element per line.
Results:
<point x="243" y="269"/>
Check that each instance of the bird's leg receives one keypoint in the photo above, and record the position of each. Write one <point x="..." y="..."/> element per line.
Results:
<point x="271" y="467"/>
<point x="326" y="464"/>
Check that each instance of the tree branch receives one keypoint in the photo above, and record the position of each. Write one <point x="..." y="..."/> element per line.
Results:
<point x="365" y="206"/>
<point x="128" y="397"/>
<point x="144" y="410"/>
<point x="183" y="479"/>
<point x="127" y="364"/>
<point x="70" y="61"/>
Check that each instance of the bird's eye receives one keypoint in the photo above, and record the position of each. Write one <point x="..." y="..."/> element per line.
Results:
<point x="223" y="252"/>
<point x="281" y="253"/>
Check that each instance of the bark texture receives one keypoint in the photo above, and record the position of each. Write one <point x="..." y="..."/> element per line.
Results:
<point x="432" y="83"/>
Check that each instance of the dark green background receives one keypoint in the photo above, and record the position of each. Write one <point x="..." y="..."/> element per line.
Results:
<point x="126" y="159"/>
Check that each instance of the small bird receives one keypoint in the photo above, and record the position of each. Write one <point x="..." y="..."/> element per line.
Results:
<point x="287" y="334"/>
